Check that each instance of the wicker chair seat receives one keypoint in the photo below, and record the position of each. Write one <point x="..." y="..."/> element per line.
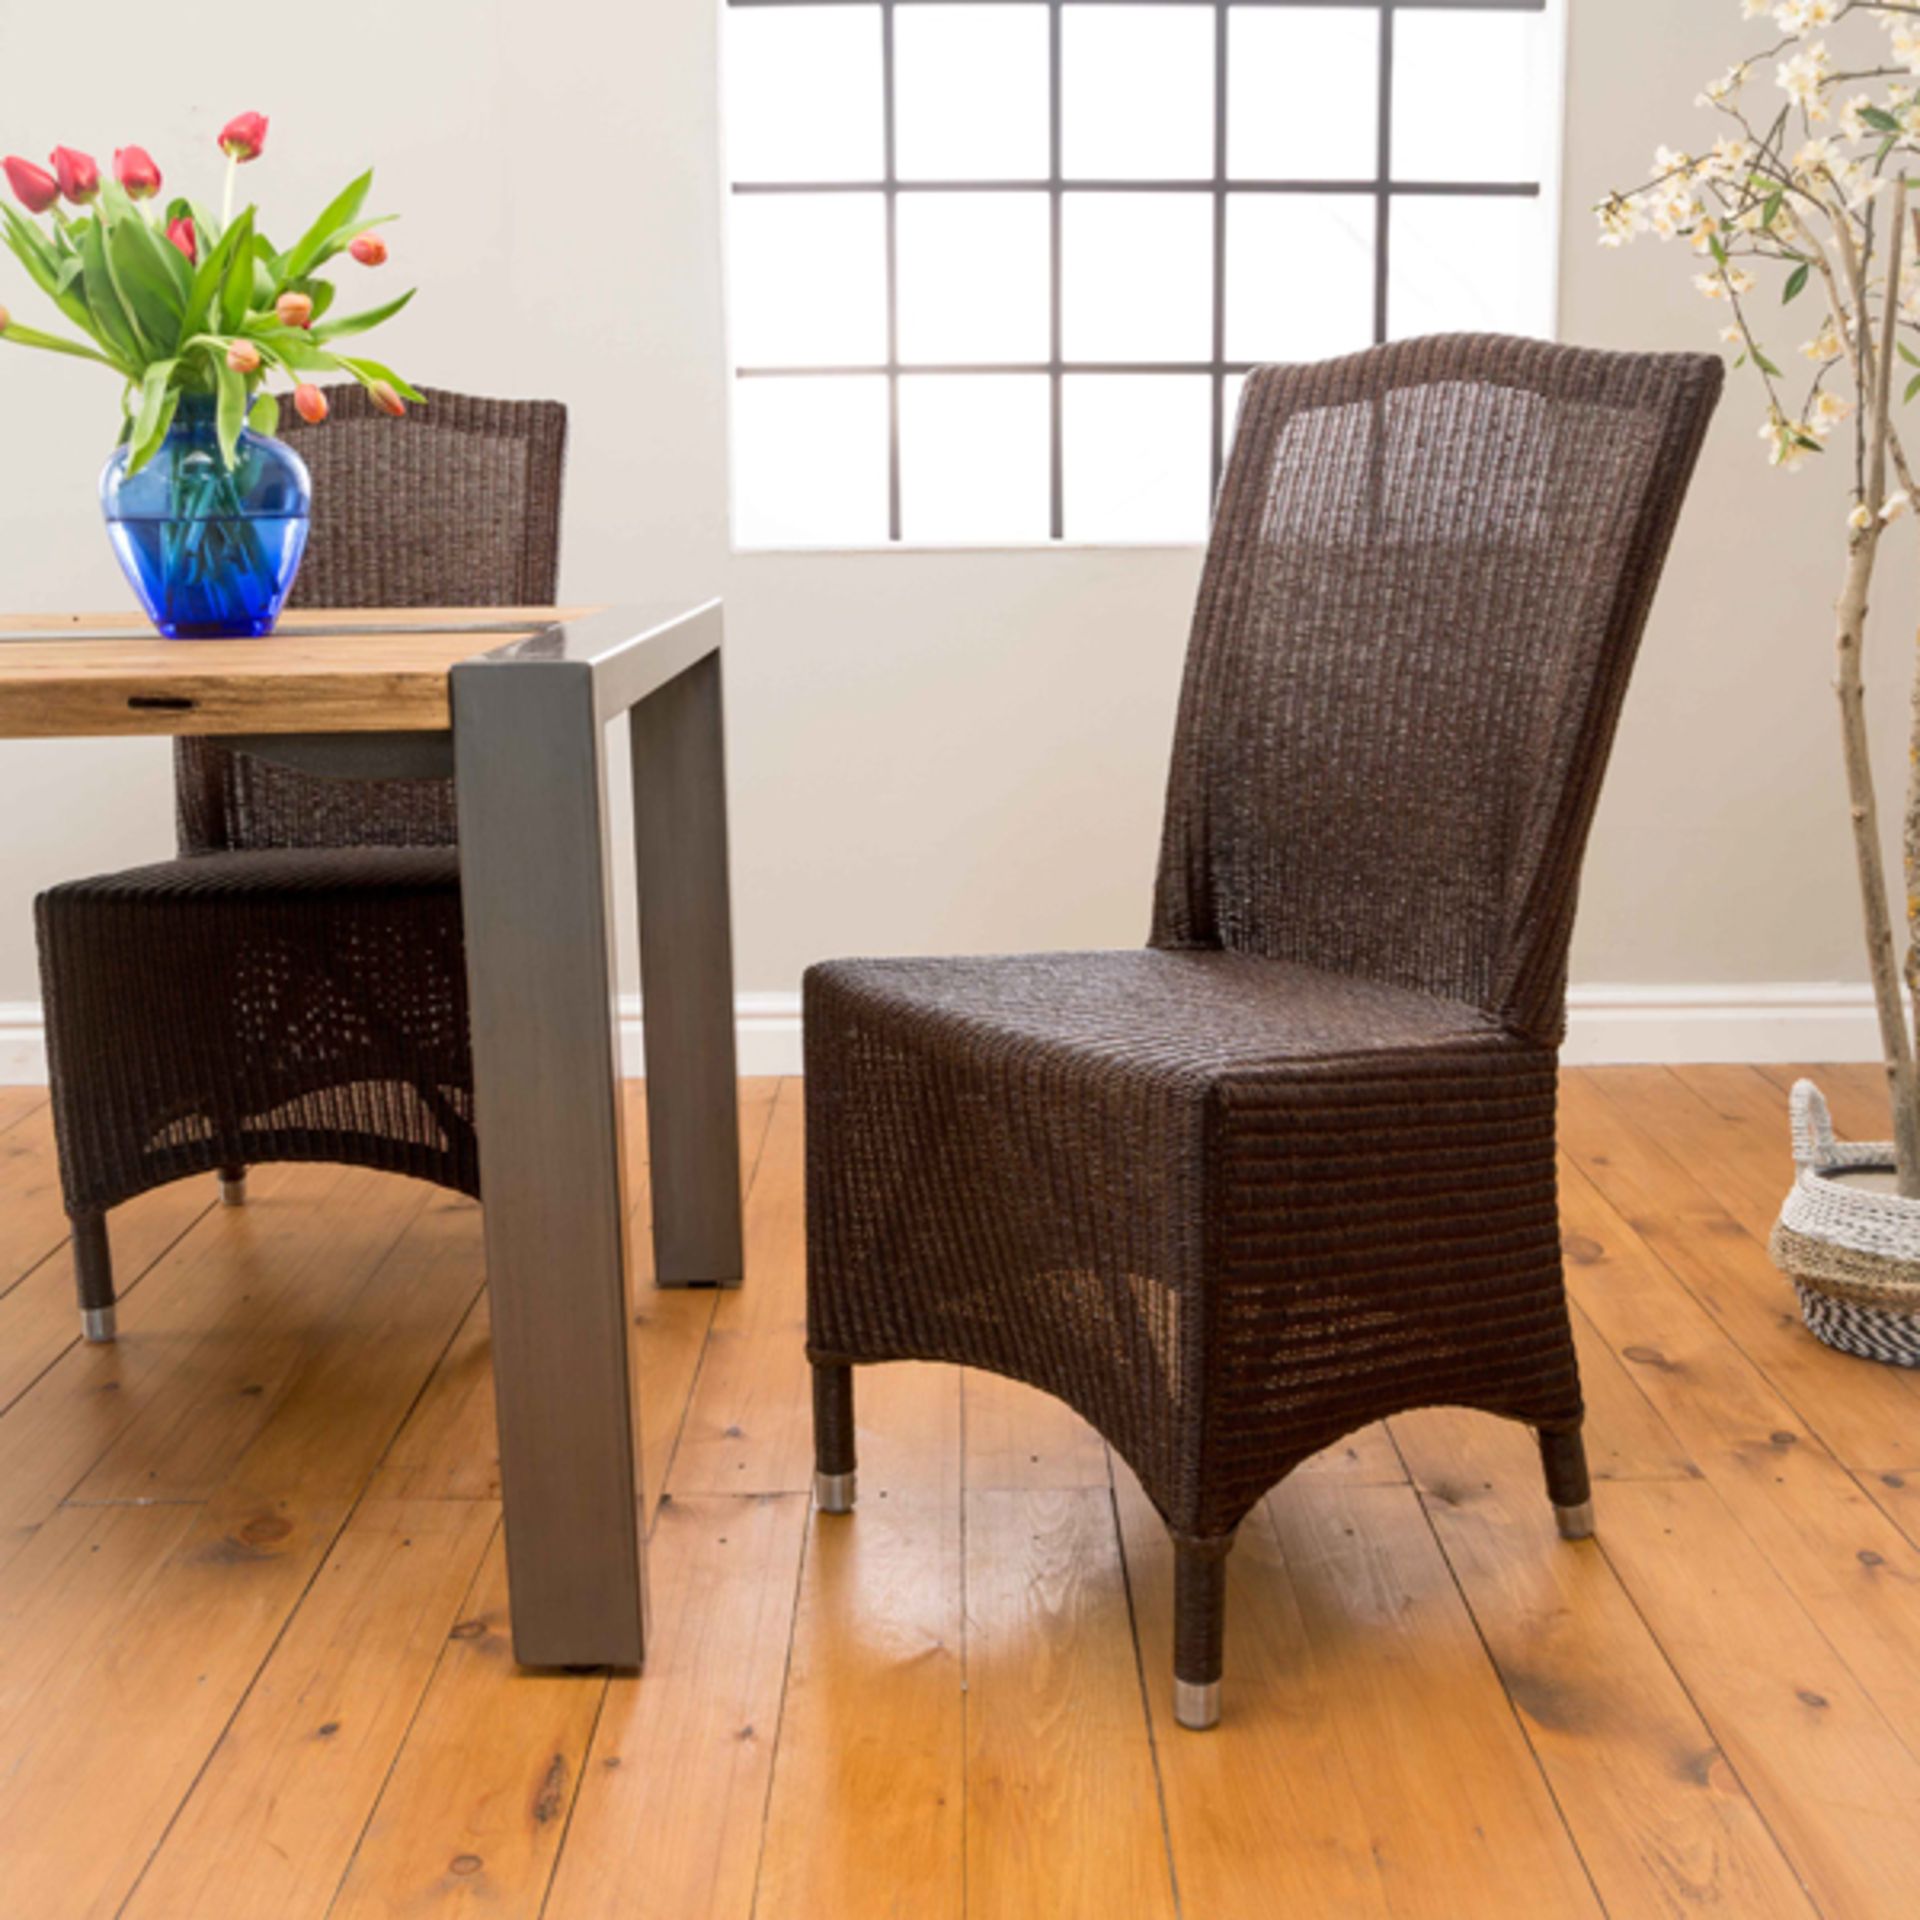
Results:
<point x="1119" y="1176"/>
<point x="313" y="1006"/>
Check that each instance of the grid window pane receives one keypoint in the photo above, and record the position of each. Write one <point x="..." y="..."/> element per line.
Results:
<point x="1303" y="93"/>
<point x="1477" y="109"/>
<point x="1137" y="276"/>
<point x="1137" y="92"/>
<point x="804" y="95"/>
<point x="810" y="461"/>
<point x="809" y="280"/>
<point x="1136" y="450"/>
<point x="974" y="462"/>
<point x="1459" y="264"/>
<point x="970" y="92"/>
<point x="991" y="261"/>
<point x="1299" y="275"/>
<point x="973" y="276"/>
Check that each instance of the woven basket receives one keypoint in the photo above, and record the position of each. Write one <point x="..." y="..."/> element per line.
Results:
<point x="1852" y="1254"/>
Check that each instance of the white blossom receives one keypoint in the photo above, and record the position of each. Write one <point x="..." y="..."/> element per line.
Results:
<point x="1620" y="219"/>
<point x="1801" y="16"/>
<point x="1825" y="345"/>
<point x="1860" y="519"/>
<point x="1802" y="77"/>
<point x="1785" y="448"/>
<point x="1896" y="505"/>
<point x="1827" y="413"/>
<point x="1723" y="89"/>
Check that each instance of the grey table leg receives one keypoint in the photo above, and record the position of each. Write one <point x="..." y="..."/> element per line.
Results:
<point x="686" y="978"/>
<point x="529" y="763"/>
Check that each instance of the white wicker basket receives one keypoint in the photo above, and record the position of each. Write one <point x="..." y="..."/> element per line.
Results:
<point x="1852" y="1253"/>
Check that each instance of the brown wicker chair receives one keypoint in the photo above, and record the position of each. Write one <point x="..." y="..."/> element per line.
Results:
<point x="1290" y="1168"/>
<point x="293" y="986"/>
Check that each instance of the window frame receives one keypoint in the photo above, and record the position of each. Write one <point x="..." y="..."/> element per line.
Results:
<point x="1382" y="187"/>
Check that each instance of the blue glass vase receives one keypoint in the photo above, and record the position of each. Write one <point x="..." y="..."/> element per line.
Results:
<point x="211" y="550"/>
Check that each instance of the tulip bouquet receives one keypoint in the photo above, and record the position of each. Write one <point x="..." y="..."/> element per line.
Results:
<point x="180" y="303"/>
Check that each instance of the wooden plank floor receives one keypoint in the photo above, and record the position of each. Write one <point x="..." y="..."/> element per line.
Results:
<point x="254" y="1661"/>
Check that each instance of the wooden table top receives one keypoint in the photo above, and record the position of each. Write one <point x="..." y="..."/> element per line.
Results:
<point x="364" y="671"/>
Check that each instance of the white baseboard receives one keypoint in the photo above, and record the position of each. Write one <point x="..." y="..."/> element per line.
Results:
<point x="1762" y="1022"/>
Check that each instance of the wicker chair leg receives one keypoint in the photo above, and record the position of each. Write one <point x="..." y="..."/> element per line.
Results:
<point x="93" y="1275"/>
<point x="1564" y="1455"/>
<point x="233" y="1186"/>
<point x="1199" y="1629"/>
<point x="833" y="1461"/>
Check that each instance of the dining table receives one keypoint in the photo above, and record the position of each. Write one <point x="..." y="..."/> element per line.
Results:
<point x="517" y="706"/>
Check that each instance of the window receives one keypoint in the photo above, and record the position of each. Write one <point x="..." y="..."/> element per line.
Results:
<point x="998" y="268"/>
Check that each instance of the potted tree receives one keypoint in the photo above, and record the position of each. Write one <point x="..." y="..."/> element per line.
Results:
<point x="1798" y="215"/>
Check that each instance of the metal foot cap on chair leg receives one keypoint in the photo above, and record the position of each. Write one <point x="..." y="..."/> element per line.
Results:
<point x="1196" y="1703"/>
<point x="233" y="1192"/>
<point x="98" y="1324"/>
<point x="1575" y="1523"/>
<point x="833" y="1492"/>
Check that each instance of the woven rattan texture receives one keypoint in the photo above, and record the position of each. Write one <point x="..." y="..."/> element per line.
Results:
<point x="293" y="987"/>
<point x="1292" y="1168"/>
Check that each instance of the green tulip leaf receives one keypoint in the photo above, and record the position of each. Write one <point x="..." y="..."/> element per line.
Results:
<point x="264" y="416"/>
<point x="158" y="399"/>
<point x="153" y="293"/>
<point x="16" y="335"/>
<point x="363" y="322"/>
<point x="230" y="410"/>
<point x="293" y="349"/>
<point x="110" y="320"/>
<point x="338" y="214"/>
<point x="209" y="276"/>
<point x="368" y="371"/>
<point x="236" y="288"/>
<point x="51" y="270"/>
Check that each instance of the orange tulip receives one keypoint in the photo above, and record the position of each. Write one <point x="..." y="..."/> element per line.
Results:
<point x="369" y="249"/>
<point x="244" y="357"/>
<point x="294" y="309"/>
<point x="383" y="396"/>
<point x="310" y="404"/>
<point x="6" y="319"/>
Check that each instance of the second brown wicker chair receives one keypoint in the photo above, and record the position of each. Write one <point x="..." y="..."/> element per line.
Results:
<point x="1291" y="1168"/>
<point x="293" y="986"/>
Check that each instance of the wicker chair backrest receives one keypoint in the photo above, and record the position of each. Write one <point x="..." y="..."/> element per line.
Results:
<point x="1430" y="568"/>
<point x="456" y="505"/>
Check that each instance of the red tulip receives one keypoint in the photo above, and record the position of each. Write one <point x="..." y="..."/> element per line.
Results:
<point x="244" y="357"/>
<point x="310" y="404"/>
<point x="294" y="309"/>
<point x="6" y="319"/>
<point x="183" y="236"/>
<point x="34" y="189"/>
<point x="369" y="249"/>
<point x="133" y="167"/>
<point x="243" y="136"/>
<point x="383" y="396"/>
<point x="78" y="174"/>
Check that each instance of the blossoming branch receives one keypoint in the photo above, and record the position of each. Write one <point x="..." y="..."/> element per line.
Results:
<point x="1805" y="189"/>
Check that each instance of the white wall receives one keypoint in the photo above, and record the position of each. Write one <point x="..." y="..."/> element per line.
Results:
<point x="930" y="752"/>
